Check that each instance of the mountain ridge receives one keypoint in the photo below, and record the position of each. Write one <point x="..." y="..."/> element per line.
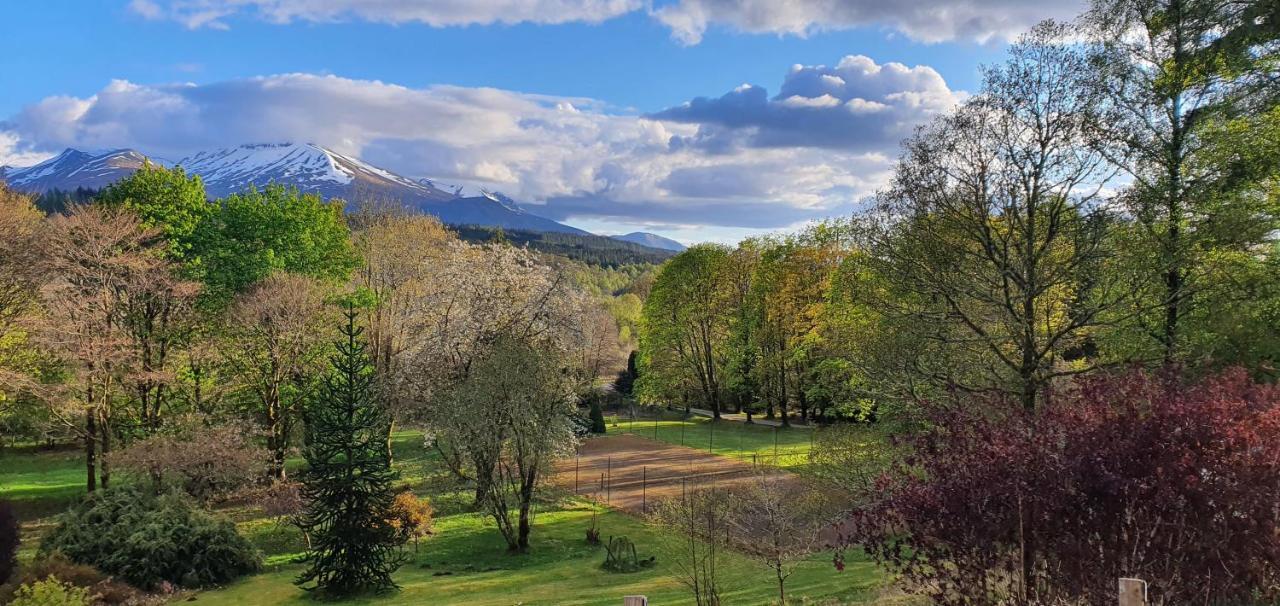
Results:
<point x="307" y="166"/>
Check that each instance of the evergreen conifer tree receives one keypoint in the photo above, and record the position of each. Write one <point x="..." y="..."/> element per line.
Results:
<point x="348" y="483"/>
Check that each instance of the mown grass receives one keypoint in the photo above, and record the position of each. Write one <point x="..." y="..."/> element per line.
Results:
<point x="41" y="481"/>
<point x="465" y="562"/>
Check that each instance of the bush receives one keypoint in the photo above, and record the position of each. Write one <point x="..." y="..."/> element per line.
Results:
<point x="51" y="592"/>
<point x="206" y="462"/>
<point x="1131" y="475"/>
<point x="411" y="517"/>
<point x="597" y="416"/>
<point x="149" y="540"/>
<point x="102" y="590"/>
<point x="8" y="541"/>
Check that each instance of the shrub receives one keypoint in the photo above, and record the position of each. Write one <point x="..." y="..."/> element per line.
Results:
<point x="51" y="592"/>
<point x="597" y="416"/>
<point x="411" y="517"/>
<point x="8" y="541"/>
<point x="1132" y="475"/>
<point x="148" y="540"/>
<point x="103" y="590"/>
<point x="282" y="500"/>
<point x="206" y="462"/>
<point x="593" y="531"/>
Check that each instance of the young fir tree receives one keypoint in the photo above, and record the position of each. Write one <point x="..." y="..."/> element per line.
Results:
<point x="354" y="547"/>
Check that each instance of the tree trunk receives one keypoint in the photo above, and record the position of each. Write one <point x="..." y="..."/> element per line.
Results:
<point x="90" y="449"/>
<point x="276" y="439"/>
<point x="782" y="584"/>
<point x="782" y="399"/>
<point x="391" y="429"/>
<point x="104" y="465"/>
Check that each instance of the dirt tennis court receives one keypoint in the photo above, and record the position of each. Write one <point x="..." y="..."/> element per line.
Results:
<point x="630" y="473"/>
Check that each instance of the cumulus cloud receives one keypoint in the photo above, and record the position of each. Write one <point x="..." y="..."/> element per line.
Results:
<point x="924" y="20"/>
<point x="857" y="105"/>
<point x="437" y="13"/>
<point x="746" y="161"/>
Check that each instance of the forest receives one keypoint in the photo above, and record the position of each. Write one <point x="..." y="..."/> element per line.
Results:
<point x="1041" y="359"/>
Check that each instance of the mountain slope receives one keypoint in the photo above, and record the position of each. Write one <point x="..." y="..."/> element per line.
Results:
<point x="651" y="240"/>
<point x="74" y="169"/>
<point x="309" y="167"/>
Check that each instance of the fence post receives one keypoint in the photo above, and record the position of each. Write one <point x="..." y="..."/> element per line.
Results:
<point x="575" y="473"/>
<point x="608" y="484"/>
<point x="644" y="489"/>
<point x="635" y="600"/>
<point x="775" y="445"/>
<point x="1133" y="592"/>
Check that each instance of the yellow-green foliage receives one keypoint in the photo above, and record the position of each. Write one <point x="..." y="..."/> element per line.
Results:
<point x="51" y="592"/>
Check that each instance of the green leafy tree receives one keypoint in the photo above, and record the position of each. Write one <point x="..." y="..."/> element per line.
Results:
<point x="354" y="548"/>
<point x="684" y="328"/>
<point x="262" y="231"/>
<point x="168" y="200"/>
<point x="991" y="238"/>
<point x="1185" y="83"/>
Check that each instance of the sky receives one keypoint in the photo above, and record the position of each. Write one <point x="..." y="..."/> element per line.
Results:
<point x="693" y="119"/>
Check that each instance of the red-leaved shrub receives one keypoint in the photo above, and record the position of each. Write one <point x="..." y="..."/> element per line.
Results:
<point x="1131" y="475"/>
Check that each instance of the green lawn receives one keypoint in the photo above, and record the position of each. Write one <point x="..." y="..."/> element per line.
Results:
<point x="785" y="447"/>
<point x="466" y="564"/>
<point x="39" y="482"/>
<point x="465" y="561"/>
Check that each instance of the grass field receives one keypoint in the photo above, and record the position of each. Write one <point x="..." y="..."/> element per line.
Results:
<point x="783" y="447"/>
<point x="465" y="561"/>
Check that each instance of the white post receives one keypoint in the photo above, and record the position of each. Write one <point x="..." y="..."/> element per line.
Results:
<point x="1133" y="592"/>
<point x="635" y="600"/>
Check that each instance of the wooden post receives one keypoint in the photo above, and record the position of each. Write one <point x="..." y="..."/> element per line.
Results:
<point x="635" y="600"/>
<point x="1133" y="592"/>
<point x="644" y="489"/>
<point x="775" y="445"/>
<point x="575" y="473"/>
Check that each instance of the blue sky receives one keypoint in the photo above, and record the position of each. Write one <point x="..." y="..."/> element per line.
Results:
<point x="577" y="107"/>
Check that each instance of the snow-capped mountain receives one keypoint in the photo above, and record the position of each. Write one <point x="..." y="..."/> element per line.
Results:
<point x="470" y="191"/>
<point x="651" y="240"/>
<point x="73" y="169"/>
<point x="311" y="168"/>
<point x="315" y="169"/>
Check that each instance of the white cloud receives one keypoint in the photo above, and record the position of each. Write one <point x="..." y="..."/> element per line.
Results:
<point x="570" y="158"/>
<point x="11" y="156"/>
<point x="856" y="105"/>
<point x="924" y="20"/>
<point x="196" y="14"/>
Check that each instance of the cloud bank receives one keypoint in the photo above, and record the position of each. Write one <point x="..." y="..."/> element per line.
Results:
<point x="743" y="160"/>
<point x="688" y="20"/>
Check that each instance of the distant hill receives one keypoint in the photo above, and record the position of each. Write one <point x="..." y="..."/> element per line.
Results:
<point x="309" y="167"/>
<point x="587" y="248"/>
<point x="651" y="240"/>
